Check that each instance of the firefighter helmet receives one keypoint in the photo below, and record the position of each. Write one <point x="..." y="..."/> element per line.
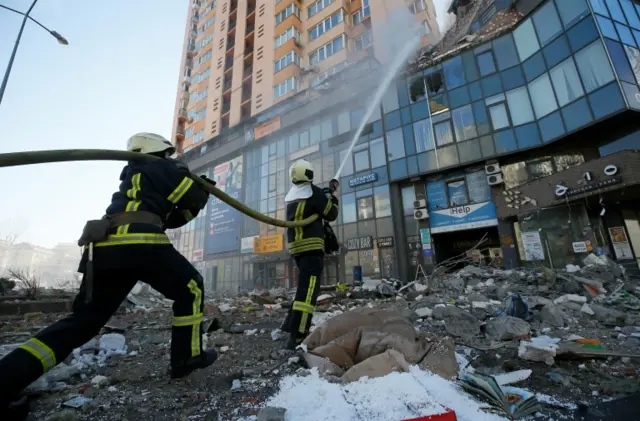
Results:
<point x="149" y="143"/>
<point x="301" y="172"/>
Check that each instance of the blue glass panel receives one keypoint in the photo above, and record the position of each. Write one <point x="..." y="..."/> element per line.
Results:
<point x="505" y="141"/>
<point x="582" y="34"/>
<point x="398" y="169"/>
<point x="376" y="130"/>
<point x="628" y="142"/>
<point x="409" y="140"/>
<point x="630" y="13"/>
<point x="459" y="97"/>
<point x="506" y="54"/>
<point x="392" y="120"/>
<point x="576" y="115"/>
<point x="486" y="63"/>
<point x="632" y="93"/>
<point x="557" y="51"/>
<point x="475" y="90"/>
<point x="620" y="61"/>
<point x="482" y="120"/>
<point x="487" y="146"/>
<point x="599" y="7"/>
<point x="406" y="115"/>
<point x="547" y="23"/>
<point x="470" y="69"/>
<point x="403" y="93"/>
<point x="528" y="135"/>
<point x="412" y="165"/>
<point x="512" y="78"/>
<point x="534" y="66"/>
<point x="420" y="110"/>
<point x="453" y="72"/>
<point x="615" y="10"/>
<point x="571" y="11"/>
<point x="427" y="161"/>
<point x="606" y="101"/>
<point x="625" y="34"/>
<point x="491" y="85"/>
<point x="607" y="28"/>
<point x="636" y="35"/>
<point x="551" y="126"/>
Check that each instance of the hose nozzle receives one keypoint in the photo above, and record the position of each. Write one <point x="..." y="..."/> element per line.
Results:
<point x="333" y="185"/>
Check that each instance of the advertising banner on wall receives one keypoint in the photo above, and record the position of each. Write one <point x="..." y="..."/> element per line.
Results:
<point x="224" y="221"/>
<point x="478" y="215"/>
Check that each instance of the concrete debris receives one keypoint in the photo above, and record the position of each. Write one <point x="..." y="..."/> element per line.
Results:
<point x="541" y="328"/>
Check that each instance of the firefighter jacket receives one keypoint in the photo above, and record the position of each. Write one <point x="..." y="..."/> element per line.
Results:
<point x="162" y="187"/>
<point x="310" y="238"/>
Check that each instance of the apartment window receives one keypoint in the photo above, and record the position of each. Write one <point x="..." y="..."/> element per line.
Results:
<point x="542" y="97"/>
<point x="198" y="137"/>
<point x="566" y="81"/>
<point x="519" y="106"/>
<point x="189" y="132"/>
<point x="287" y="35"/>
<point x="289" y="58"/>
<point x="594" y="66"/>
<point x="326" y="25"/>
<point x="291" y="9"/>
<point x="362" y="41"/>
<point x="203" y="42"/>
<point x="204" y="58"/>
<point x="199" y="77"/>
<point x="285" y="87"/>
<point x="332" y="71"/>
<point x="207" y="25"/>
<point x="362" y="13"/>
<point x="326" y="50"/>
<point x="425" y="29"/>
<point x="417" y="6"/>
<point x="498" y="111"/>
<point x="199" y="96"/>
<point x="318" y="6"/>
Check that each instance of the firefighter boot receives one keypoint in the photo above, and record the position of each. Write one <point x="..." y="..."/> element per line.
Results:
<point x="294" y="340"/>
<point x="286" y="324"/>
<point x="204" y="360"/>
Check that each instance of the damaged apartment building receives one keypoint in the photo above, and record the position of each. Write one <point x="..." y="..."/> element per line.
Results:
<point x="517" y="127"/>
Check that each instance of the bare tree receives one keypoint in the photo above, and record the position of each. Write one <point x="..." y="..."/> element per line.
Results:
<point x="11" y="230"/>
<point x="26" y="281"/>
<point x="70" y="284"/>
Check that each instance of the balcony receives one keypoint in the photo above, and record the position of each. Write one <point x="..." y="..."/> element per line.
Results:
<point x="251" y="7"/>
<point x="185" y="95"/>
<point x="231" y="42"/>
<point x="226" y="107"/>
<point x="246" y="93"/>
<point x="188" y="63"/>
<point x="180" y="133"/>
<point x="247" y="72"/>
<point x="233" y="6"/>
<point x="250" y="28"/>
<point x="232" y="25"/>
<point x="228" y="63"/>
<point x="226" y="86"/>
<point x="182" y="115"/>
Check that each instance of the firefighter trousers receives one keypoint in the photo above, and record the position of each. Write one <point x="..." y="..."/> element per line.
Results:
<point x="309" y="272"/>
<point x="163" y="268"/>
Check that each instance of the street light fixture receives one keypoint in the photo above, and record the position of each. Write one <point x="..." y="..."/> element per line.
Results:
<point x="61" y="40"/>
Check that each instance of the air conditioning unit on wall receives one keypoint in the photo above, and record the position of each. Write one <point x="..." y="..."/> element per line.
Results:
<point x="420" y="214"/>
<point x="420" y="203"/>
<point x="492" y="168"/>
<point x="495" y="179"/>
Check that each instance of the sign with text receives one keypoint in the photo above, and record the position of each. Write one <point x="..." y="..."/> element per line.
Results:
<point x="360" y="243"/>
<point x="363" y="179"/>
<point x="580" y="247"/>
<point x="247" y="244"/>
<point x="477" y="215"/>
<point x="267" y="128"/>
<point x="269" y="244"/>
<point x="223" y="221"/>
<point x="384" y="242"/>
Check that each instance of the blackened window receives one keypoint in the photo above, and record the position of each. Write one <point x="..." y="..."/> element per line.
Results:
<point x="434" y="82"/>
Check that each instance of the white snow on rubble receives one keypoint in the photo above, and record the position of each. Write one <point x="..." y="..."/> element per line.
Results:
<point x="394" y="397"/>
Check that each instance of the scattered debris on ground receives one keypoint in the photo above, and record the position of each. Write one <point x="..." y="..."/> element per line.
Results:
<point x="566" y="339"/>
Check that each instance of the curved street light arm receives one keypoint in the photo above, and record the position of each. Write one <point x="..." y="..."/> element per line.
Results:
<point x="62" y="40"/>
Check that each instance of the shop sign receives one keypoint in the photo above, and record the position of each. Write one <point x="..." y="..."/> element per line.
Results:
<point x="590" y="185"/>
<point x="384" y="242"/>
<point x="620" y="243"/>
<point x="580" y="247"/>
<point x="304" y="152"/>
<point x="267" y="128"/>
<point x="532" y="245"/>
<point x="270" y="244"/>
<point x="363" y="179"/>
<point x="247" y="244"/>
<point x="478" y="215"/>
<point x="360" y="243"/>
<point x="197" y="255"/>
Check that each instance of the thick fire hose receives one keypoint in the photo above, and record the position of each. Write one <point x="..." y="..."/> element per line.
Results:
<point x="64" y="155"/>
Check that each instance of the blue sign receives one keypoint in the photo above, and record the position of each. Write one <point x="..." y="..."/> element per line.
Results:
<point x="477" y="215"/>
<point x="223" y="221"/>
<point x="363" y="179"/>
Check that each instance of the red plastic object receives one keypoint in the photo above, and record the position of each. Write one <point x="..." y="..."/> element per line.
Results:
<point x="445" y="416"/>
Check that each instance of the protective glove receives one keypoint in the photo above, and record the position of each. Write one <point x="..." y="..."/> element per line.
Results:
<point x="208" y="180"/>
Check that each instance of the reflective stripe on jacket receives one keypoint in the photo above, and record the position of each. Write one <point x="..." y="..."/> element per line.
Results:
<point x="310" y="237"/>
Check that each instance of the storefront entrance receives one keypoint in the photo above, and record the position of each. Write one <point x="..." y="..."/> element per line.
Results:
<point x="452" y="246"/>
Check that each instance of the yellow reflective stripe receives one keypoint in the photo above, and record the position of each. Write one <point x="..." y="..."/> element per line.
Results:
<point x="195" y="327"/>
<point x="306" y="241"/>
<point x="307" y="301"/>
<point x="41" y="351"/>
<point x="187" y="320"/>
<point x="188" y="216"/>
<point x="328" y="207"/>
<point x="298" y="217"/>
<point x="132" y="205"/>
<point x="302" y="306"/>
<point x="136" y="238"/>
<point x="180" y="191"/>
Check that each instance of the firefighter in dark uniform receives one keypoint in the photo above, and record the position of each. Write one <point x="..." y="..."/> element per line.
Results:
<point x="307" y="245"/>
<point x="127" y="245"/>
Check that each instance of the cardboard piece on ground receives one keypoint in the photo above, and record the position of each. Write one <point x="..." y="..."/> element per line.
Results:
<point x="377" y="366"/>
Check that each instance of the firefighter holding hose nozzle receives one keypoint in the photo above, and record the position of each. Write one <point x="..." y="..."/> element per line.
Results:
<point x="127" y="245"/>
<point x="308" y="244"/>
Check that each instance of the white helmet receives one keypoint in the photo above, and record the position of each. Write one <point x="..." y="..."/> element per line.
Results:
<point x="301" y="171"/>
<point x="149" y="143"/>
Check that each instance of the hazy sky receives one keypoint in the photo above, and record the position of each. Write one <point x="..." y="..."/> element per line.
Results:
<point x="118" y="76"/>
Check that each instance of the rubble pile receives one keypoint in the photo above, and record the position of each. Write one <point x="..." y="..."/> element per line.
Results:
<point x="573" y="334"/>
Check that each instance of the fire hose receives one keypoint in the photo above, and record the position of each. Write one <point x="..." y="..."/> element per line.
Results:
<point x="13" y="159"/>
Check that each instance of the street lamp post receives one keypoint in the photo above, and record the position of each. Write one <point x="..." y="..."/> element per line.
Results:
<point x="62" y="40"/>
